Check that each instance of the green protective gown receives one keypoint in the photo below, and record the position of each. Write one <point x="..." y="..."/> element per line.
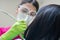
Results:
<point x="17" y="28"/>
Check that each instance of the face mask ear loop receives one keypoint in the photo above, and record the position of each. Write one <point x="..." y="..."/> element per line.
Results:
<point x="26" y="18"/>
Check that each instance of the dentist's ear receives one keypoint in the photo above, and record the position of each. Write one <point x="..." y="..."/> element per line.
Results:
<point x="17" y="11"/>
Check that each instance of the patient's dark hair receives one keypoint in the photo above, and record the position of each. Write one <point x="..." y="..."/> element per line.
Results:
<point x="34" y="2"/>
<point x="46" y="25"/>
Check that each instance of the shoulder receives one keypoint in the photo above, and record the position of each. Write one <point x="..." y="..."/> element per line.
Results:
<point x="3" y="30"/>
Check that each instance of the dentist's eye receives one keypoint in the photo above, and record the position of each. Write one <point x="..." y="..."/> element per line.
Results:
<point x="32" y="14"/>
<point x="25" y="10"/>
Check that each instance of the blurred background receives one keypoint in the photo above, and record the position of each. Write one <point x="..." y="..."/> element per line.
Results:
<point x="10" y="6"/>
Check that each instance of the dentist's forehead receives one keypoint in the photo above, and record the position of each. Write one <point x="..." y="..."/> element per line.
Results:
<point x="29" y="6"/>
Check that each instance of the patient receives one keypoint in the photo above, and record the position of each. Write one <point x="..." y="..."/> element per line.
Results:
<point x="26" y="5"/>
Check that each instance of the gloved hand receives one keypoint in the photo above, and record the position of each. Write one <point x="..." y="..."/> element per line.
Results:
<point x="17" y="28"/>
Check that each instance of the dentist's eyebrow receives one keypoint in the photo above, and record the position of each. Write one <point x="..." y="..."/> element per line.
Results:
<point x="25" y="10"/>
